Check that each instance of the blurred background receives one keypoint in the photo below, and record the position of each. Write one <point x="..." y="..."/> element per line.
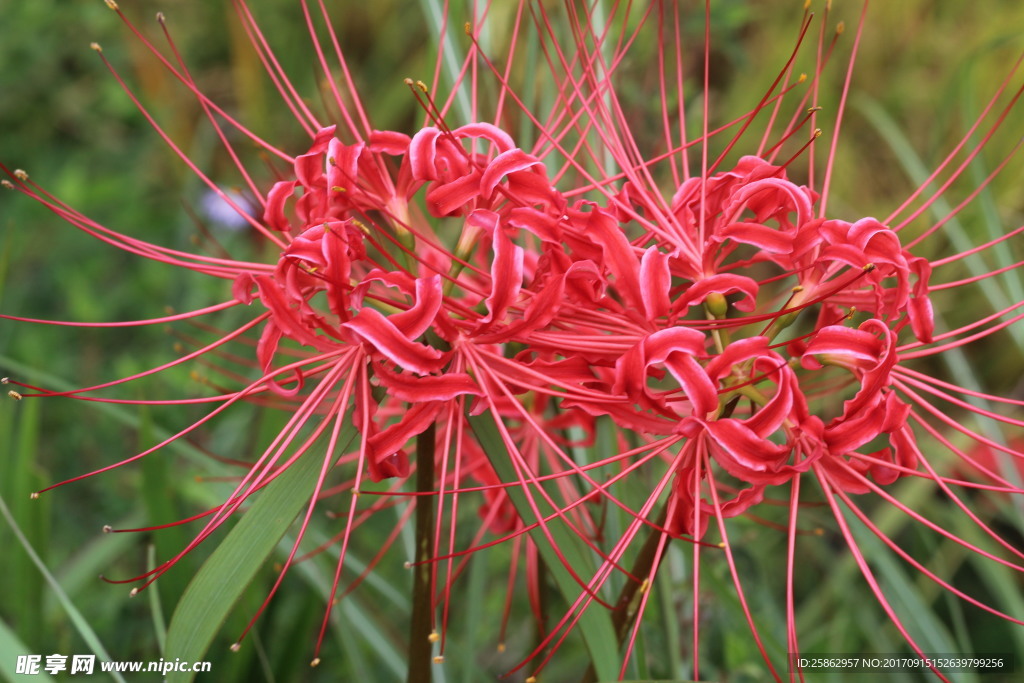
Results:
<point x="925" y="71"/>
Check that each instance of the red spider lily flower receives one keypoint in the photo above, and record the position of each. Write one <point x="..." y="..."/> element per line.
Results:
<point x="750" y="351"/>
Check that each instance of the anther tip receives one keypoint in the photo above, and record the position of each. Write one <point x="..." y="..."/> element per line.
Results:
<point x="439" y="659"/>
<point x="133" y="592"/>
<point x="96" y="46"/>
<point x="21" y="174"/>
<point x="14" y="394"/>
<point x="235" y="647"/>
<point x="107" y="529"/>
<point x="34" y="495"/>
<point x="112" y="5"/>
<point x="315" y="662"/>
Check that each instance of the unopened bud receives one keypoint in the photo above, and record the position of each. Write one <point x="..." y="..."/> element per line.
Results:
<point x="717" y="304"/>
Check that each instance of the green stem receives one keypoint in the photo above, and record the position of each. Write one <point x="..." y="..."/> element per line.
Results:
<point x="421" y="624"/>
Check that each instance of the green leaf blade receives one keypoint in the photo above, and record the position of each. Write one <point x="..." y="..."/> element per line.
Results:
<point x="595" y="623"/>
<point x="224" y="577"/>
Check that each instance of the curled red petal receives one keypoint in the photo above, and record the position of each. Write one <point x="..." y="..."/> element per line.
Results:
<point x="418" y="319"/>
<point x="406" y="387"/>
<point x="745" y="455"/>
<point x="422" y="154"/>
<point x="381" y="334"/>
<point x="389" y="142"/>
<point x="655" y="280"/>
<point x="505" y="163"/>
<point x="506" y="277"/>
<point x="309" y="167"/>
<point x="279" y="194"/>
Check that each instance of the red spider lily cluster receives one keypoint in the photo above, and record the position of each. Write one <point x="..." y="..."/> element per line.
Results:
<point x="713" y="311"/>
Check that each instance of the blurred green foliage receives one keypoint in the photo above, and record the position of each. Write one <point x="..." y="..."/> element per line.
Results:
<point x="928" y="66"/>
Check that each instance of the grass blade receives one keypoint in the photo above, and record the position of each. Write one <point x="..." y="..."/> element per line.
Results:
<point x="80" y="623"/>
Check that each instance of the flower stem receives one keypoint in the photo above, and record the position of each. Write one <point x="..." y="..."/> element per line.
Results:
<point x="421" y="624"/>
